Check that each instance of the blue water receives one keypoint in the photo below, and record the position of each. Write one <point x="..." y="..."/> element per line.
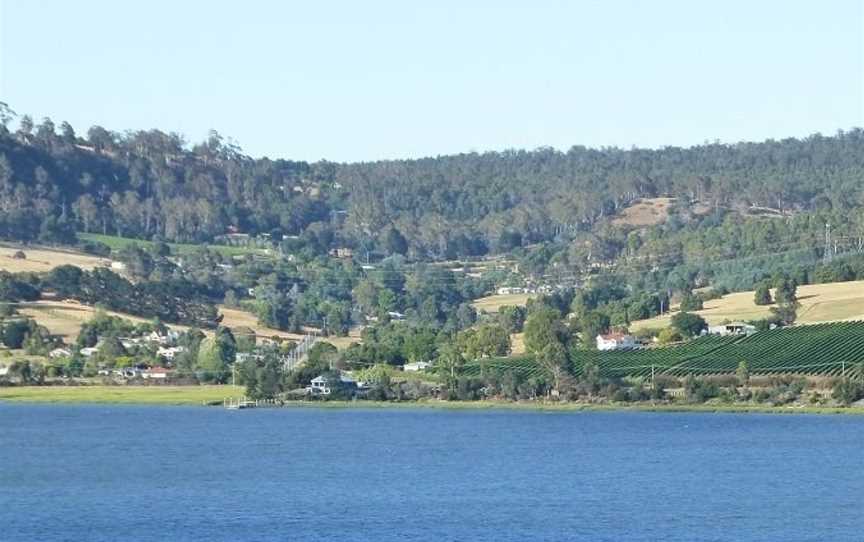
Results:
<point x="151" y="473"/>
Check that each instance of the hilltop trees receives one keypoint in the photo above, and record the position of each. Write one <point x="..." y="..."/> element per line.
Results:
<point x="150" y="183"/>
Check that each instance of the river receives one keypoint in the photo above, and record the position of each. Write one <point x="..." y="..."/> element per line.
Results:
<point x="117" y="473"/>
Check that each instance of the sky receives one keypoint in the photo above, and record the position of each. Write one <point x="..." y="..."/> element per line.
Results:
<point x="361" y="81"/>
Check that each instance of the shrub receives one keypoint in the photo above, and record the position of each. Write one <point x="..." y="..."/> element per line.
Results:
<point x="847" y="391"/>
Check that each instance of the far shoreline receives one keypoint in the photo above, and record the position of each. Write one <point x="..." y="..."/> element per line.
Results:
<point x="212" y="396"/>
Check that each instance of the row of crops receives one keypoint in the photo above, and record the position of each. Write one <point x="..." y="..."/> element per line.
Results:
<point x="822" y="349"/>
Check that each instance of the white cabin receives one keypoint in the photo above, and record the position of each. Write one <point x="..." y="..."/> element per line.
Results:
<point x="615" y="341"/>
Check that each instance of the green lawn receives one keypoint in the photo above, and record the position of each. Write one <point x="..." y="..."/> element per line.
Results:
<point x="165" y="395"/>
<point x="117" y="243"/>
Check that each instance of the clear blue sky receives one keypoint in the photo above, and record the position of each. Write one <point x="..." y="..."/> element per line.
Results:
<point x="353" y="81"/>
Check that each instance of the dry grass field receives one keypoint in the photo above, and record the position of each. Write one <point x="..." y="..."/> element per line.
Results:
<point x="42" y="260"/>
<point x="240" y="318"/>
<point x="65" y="318"/>
<point x="517" y="343"/>
<point x="645" y="212"/>
<point x="144" y="395"/>
<point x="819" y="303"/>
<point x="492" y="303"/>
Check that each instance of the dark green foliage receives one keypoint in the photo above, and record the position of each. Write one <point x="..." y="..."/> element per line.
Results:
<point x="512" y="318"/>
<point x="593" y="323"/>
<point x="264" y="379"/>
<point x="148" y="183"/>
<point x="174" y="300"/>
<point x="65" y="280"/>
<point x="688" y="324"/>
<point x="786" y="291"/>
<point x="697" y="390"/>
<point x="15" y="332"/>
<point x="17" y="288"/>
<point x="691" y="302"/>
<point x="785" y="313"/>
<point x="763" y="294"/>
<point x="848" y="390"/>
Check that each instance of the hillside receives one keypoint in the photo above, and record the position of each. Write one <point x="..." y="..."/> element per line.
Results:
<point x="66" y="318"/>
<point x="148" y="184"/>
<point x="819" y="303"/>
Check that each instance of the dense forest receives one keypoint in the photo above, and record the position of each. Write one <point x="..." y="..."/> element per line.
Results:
<point x="153" y="185"/>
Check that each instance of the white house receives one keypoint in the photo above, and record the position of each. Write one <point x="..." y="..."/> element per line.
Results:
<point x="732" y="328"/>
<point x="509" y="290"/>
<point x="615" y="341"/>
<point x="320" y="385"/>
<point x="89" y="351"/>
<point x="59" y="353"/>
<point x="243" y="357"/>
<point x="170" y="337"/>
<point x="169" y="353"/>
<point x="416" y="366"/>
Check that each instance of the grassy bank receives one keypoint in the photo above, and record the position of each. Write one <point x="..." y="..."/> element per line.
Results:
<point x="200" y="395"/>
<point x="144" y="395"/>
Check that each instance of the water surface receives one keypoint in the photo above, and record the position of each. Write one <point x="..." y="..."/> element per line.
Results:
<point x="110" y="473"/>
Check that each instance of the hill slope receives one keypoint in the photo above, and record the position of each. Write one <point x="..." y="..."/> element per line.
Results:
<point x="819" y="303"/>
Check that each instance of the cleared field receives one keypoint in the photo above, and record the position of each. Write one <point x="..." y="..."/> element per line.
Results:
<point x="492" y="303"/>
<point x="819" y="303"/>
<point x="40" y="260"/>
<point x="517" y="343"/>
<point x="164" y="395"/>
<point x="117" y="243"/>
<point x="65" y="319"/>
<point x="240" y="318"/>
<point x="646" y="212"/>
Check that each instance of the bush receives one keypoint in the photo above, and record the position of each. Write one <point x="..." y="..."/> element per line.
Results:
<point x="691" y="302"/>
<point x="697" y="390"/>
<point x="688" y="324"/>
<point x="96" y="248"/>
<point x="762" y="295"/>
<point x="847" y="391"/>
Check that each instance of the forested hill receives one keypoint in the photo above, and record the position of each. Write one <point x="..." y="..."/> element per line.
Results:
<point x="149" y="184"/>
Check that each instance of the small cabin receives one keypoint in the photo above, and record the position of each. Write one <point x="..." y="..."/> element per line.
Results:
<point x="416" y="366"/>
<point x="615" y="341"/>
<point x="732" y="328"/>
